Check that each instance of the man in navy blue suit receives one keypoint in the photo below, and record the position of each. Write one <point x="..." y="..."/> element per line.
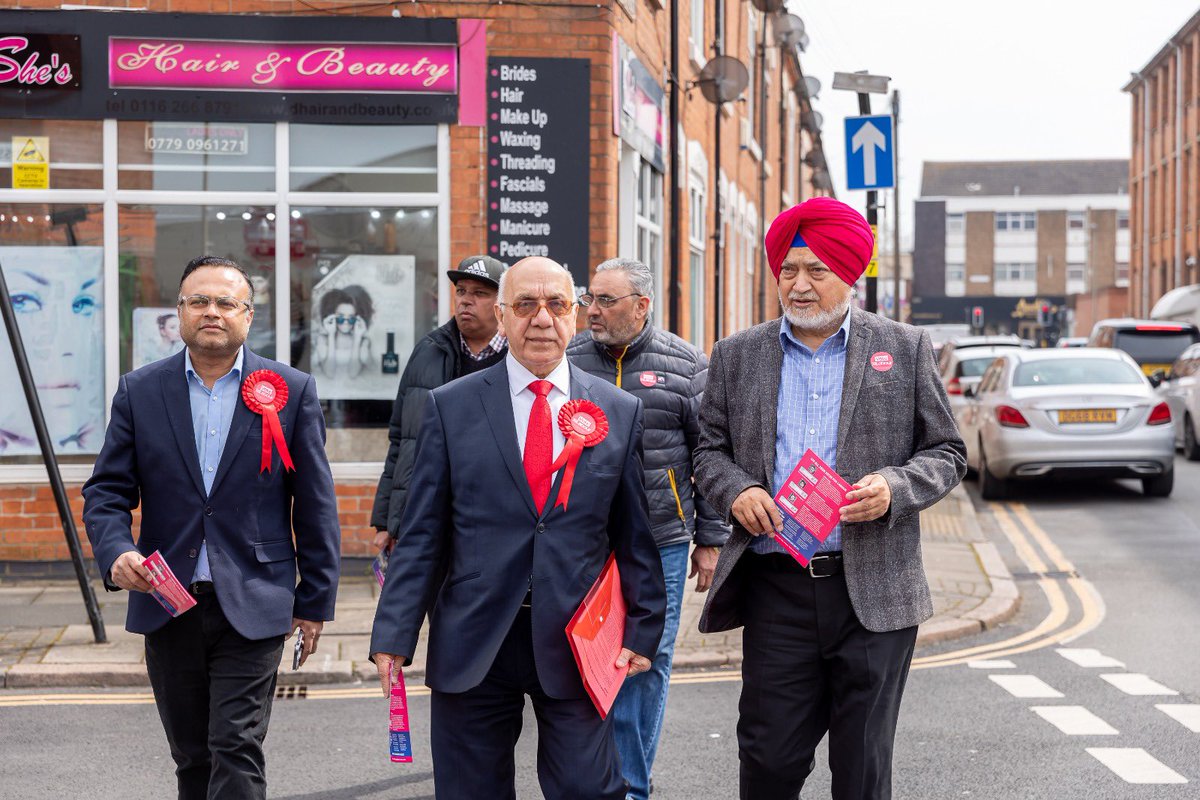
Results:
<point x="184" y="444"/>
<point x="501" y="567"/>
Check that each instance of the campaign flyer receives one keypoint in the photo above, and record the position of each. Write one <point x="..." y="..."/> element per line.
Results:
<point x="399" y="740"/>
<point x="168" y="591"/>
<point x="810" y="500"/>
<point x="379" y="565"/>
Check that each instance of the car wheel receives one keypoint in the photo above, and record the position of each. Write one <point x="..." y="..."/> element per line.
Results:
<point x="1159" y="485"/>
<point x="1191" y="448"/>
<point x="990" y="487"/>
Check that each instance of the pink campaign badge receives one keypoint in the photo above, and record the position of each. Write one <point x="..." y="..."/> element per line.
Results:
<point x="648" y="379"/>
<point x="881" y="361"/>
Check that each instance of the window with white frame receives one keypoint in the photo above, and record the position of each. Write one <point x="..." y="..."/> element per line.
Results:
<point x="1122" y="220"/>
<point x="954" y="223"/>
<point x="1122" y="274"/>
<point x="792" y="168"/>
<point x="1016" y="271"/>
<point x="956" y="272"/>
<point x="697" y="250"/>
<point x="751" y="94"/>
<point x="696" y="31"/>
<point x="1076" y="272"/>
<point x="647" y="221"/>
<point x="1076" y="220"/>
<point x="1016" y="220"/>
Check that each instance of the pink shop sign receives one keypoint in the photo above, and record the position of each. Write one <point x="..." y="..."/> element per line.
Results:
<point x="245" y="66"/>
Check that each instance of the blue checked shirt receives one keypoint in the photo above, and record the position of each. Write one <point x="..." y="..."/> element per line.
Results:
<point x="212" y="411"/>
<point x="810" y="404"/>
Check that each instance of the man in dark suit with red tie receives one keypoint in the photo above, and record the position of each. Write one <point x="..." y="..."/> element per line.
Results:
<point x="487" y="547"/>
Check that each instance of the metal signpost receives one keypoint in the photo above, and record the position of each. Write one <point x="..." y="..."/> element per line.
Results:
<point x="56" y="483"/>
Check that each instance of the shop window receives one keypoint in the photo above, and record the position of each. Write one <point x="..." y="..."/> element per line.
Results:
<point x="363" y="158"/>
<point x="53" y="262"/>
<point x="75" y="155"/>
<point x="157" y="242"/>
<point x="364" y="289"/>
<point x="196" y="156"/>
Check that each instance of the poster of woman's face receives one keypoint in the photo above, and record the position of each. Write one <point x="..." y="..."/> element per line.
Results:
<point x="155" y="335"/>
<point x="57" y="295"/>
<point x="354" y="308"/>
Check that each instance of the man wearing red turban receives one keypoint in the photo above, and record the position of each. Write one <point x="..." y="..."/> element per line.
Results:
<point x="827" y="645"/>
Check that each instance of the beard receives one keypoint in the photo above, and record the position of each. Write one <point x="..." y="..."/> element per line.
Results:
<point x="816" y="321"/>
<point x="618" y="334"/>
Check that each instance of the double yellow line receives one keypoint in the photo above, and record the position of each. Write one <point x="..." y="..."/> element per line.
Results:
<point x="1038" y="552"/>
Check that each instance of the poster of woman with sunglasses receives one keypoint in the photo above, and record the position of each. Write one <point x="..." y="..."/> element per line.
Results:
<point x="362" y="312"/>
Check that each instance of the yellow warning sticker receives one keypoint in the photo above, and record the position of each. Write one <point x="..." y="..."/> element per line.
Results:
<point x="873" y="268"/>
<point x="31" y="162"/>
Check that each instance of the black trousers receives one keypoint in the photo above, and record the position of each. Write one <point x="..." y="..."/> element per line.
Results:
<point x="213" y="688"/>
<point x="473" y="734"/>
<point x="810" y="668"/>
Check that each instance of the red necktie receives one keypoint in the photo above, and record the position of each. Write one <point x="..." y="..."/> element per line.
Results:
<point x="539" y="445"/>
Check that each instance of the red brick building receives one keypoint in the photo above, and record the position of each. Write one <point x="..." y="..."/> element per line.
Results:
<point x="396" y="140"/>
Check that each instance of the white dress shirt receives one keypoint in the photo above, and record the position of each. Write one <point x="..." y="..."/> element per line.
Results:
<point x="519" y="379"/>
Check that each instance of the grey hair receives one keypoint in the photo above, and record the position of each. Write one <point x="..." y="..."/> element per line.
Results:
<point x="504" y="274"/>
<point x="640" y="276"/>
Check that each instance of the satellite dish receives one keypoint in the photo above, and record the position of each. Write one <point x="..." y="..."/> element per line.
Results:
<point x="815" y="159"/>
<point x="811" y="121"/>
<point x="788" y="30"/>
<point x="820" y="179"/>
<point x="767" y="6"/>
<point x="812" y="87"/>
<point x="722" y="79"/>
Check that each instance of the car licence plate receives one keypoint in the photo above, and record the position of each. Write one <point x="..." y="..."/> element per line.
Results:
<point x="1074" y="415"/>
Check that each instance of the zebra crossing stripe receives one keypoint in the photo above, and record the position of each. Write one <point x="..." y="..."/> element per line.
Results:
<point x="1074" y="720"/>
<point x="1135" y="765"/>
<point x="1028" y="686"/>
<point x="1136" y="684"/>
<point x="1089" y="658"/>
<point x="1185" y="714"/>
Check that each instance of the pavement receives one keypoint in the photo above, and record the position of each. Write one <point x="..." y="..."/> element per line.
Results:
<point x="46" y="641"/>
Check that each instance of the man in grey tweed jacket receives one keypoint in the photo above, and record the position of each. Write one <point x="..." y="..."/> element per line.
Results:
<point x="826" y="648"/>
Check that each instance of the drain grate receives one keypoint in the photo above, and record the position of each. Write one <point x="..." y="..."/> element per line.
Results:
<point x="291" y="692"/>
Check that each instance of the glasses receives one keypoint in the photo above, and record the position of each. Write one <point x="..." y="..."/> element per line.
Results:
<point x="604" y="300"/>
<point x="529" y="308"/>
<point x="199" y="303"/>
<point x="350" y="320"/>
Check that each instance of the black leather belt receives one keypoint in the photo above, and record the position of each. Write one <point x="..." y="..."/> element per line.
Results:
<point x="822" y="565"/>
<point x="201" y="587"/>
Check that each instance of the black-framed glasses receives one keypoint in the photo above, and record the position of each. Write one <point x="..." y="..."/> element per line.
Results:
<point x="529" y="308"/>
<point x="199" y="303"/>
<point x="604" y="300"/>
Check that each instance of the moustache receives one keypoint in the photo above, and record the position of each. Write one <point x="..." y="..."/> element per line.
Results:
<point x="803" y="299"/>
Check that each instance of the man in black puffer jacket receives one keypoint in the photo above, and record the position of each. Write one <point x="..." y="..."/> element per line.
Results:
<point x="668" y="374"/>
<point x="469" y="342"/>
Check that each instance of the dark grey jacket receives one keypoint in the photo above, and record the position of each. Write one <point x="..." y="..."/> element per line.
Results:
<point x="435" y="361"/>
<point x="895" y="420"/>
<point x="668" y="374"/>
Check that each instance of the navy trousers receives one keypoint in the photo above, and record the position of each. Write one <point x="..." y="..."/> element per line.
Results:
<point x="473" y="734"/>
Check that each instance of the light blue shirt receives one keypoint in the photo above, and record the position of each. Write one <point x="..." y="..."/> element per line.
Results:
<point x="212" y="411"/>
<point x="808" y="410"/>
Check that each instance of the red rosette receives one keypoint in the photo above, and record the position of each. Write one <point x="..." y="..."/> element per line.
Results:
<point x="584" y="424"/>
<point x="266" y="393"/>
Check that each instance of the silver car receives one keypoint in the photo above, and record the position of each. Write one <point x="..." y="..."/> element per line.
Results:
<point x="1181" y="391"/>
<point x="1083" y="412"/>
<point x="963" y="369"/>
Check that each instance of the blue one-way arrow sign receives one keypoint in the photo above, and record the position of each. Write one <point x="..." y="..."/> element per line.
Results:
<point x="869" y="153"/>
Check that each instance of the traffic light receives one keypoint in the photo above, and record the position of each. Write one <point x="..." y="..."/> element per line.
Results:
<point x="1044" y="316"/>
<point x="977" y="318"/>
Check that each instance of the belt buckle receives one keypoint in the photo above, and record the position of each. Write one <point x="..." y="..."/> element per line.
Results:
<point x="812" y="562"/>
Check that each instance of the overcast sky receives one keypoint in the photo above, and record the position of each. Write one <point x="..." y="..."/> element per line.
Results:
<point x="1022" y="79"/>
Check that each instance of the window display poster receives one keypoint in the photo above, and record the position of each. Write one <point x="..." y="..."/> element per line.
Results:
<point x="155" y="335"/>
<point x="57" y="294"/>
<point x="362" y="317"/>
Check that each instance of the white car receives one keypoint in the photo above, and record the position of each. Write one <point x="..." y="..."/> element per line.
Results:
<point x="1181" y="391"/>
<point x="965" y="366"/>
<point x="1081" y="412"/>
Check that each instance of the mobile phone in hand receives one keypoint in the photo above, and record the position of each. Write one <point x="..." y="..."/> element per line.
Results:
<point x="298" y="649"/>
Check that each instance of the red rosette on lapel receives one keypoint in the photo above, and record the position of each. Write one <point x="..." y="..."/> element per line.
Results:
<point x="266" y="393"/>
<point x="585" y="425"/>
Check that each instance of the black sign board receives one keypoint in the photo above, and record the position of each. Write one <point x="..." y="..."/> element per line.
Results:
<point x="538" y="179"/>
<point x="98" y="100"/>
<point x="38" y="62"/>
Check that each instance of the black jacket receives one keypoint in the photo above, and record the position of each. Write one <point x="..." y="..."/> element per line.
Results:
<point x="435" y="361"/>
<point x="669" y="375"/>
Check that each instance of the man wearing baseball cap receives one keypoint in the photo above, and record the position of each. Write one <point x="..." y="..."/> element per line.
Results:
<point x="826" y="646"/>
<point x="469" y="342"/>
